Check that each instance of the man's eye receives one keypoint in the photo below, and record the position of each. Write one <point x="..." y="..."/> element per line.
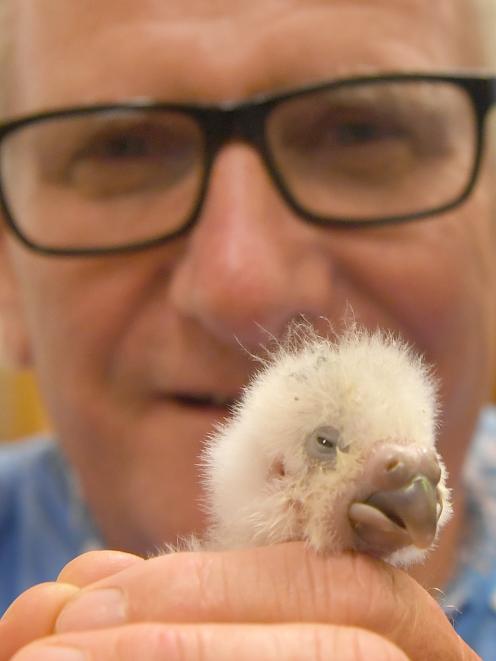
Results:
<point x="354" y="147"/>
<point x="351" y="133"/>
<point x="335" y="132"/>
<point x="134" y="143"/>
<point x="130" y="161"/>
<point x="120" y="146"/>
<point x="332" y="137"/>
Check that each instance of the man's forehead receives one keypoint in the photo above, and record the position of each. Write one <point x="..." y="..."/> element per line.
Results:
<point x="231" y="9"/>
<point x="219" y="8"/>
<point x="222" y="8"/>
<point x="210" y="50"/>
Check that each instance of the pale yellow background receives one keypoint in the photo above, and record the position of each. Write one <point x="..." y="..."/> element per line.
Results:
<point x="21" y="412"/>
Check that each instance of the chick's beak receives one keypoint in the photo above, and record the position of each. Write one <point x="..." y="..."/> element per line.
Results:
<point x="406" y="507"/>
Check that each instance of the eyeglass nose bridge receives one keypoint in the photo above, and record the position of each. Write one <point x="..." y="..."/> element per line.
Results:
<point x="237" y="123"/>
<point x="244" y="123"/>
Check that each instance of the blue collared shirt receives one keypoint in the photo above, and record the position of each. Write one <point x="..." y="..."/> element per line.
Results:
<point x="470" y="600"/>
<point x="44" y="524"/>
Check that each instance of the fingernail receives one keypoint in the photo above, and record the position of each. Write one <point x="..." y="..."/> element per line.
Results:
<point x="94" y="609"/>
<point x="49" y="653"/>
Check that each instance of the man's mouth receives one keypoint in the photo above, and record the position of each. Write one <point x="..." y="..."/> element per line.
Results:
<point x="201" y="401"/>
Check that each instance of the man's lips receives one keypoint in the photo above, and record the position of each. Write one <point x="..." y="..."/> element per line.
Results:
<point x="203" y="401"/>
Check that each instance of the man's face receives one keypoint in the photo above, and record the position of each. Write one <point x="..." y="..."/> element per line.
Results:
<point x="136" y="353"/>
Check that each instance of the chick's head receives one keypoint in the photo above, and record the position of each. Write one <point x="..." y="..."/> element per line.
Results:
<point x="322" y="426"/>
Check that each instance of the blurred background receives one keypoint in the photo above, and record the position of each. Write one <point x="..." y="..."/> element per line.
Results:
<point x="21" y="412"/>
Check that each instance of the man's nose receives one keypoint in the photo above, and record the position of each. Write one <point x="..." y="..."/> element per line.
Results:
<point x="250" y="263"/>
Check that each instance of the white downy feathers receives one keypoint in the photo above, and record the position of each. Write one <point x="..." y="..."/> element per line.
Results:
<point x="333" y="443"/>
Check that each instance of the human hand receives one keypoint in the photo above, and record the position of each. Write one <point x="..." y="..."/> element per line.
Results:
<point x="274" y="602"/>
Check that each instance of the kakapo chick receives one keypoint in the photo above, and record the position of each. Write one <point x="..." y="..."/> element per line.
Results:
<point x="333" y="443"/>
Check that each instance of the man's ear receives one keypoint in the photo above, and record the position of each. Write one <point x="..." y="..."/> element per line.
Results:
<point x="15" y="349"/>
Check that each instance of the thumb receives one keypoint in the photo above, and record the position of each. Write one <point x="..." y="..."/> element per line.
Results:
<point x="95" y="565"/>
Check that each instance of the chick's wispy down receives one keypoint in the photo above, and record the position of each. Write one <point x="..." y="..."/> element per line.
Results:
<point x="332" y="443"/>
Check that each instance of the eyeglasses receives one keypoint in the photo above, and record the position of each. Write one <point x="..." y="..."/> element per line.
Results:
<point x="351" y="152"/>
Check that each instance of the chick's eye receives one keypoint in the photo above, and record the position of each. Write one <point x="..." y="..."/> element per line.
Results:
<point x="322" y="443"/>
<point x="326" y="442"/>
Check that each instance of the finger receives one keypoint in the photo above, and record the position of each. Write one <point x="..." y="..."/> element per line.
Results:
<point x="155" y="642"/>
<point x="283" y="583"/>
<point x="32" y="616"/>
<point x="96" y="565"/>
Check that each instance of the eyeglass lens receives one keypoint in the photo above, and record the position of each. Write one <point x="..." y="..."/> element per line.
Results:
<point x="372" y="151"/>
<point x="120" y="177"/>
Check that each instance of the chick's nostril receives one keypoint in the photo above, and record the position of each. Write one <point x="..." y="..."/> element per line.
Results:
<point x="392" y="465"/>
<point x="392" y="468"/>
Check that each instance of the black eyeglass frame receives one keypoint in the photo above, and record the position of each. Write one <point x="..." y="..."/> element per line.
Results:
<point x="246" y="121"/>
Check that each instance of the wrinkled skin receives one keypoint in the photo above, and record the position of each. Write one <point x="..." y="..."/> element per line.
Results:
<point x="113" y="339"/>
